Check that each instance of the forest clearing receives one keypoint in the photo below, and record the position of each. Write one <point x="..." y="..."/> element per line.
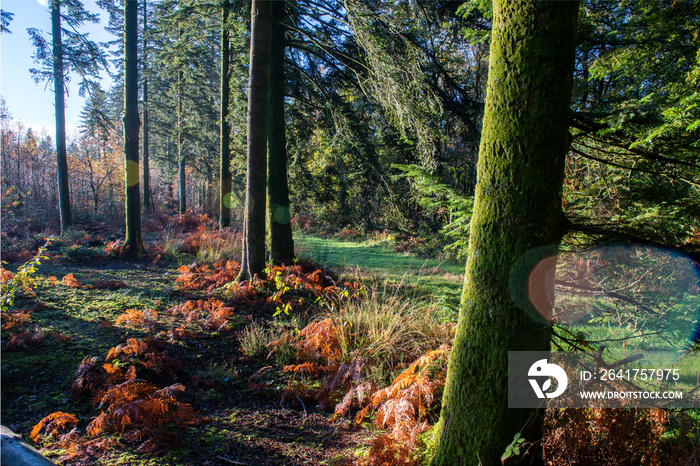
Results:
<point x="351" y="232"/>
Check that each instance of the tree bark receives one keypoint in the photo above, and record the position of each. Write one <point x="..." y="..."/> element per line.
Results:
<point x="147" y="202"/>
<point x="253" y="261"/>
<point x="225" y="150"/>
<point x="517" y="210"/>
<point x="180" y="142"/>
<point x="279" y="229"/>
<point x="183" y="184"/>
<point x="134" y="240"/>
<point x="180" y="155"/>
<point x="61" y="156"/>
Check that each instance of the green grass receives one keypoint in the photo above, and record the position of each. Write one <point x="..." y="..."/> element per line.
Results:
<point x="375" y="260"/>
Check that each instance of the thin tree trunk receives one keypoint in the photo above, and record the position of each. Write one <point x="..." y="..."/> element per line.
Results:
<point x="134" y="240"/>
<point x="18" y="153"/>
<point x="253" y="261"/>
<point x="147" y="203"/>
<point x="279" y="228"/>
<point x="225" y="150"/>
<point x="517" y="211"/>
<point x="61" y="156"/>
<point x="183" y="186"/>
<point x="180" y="155"/>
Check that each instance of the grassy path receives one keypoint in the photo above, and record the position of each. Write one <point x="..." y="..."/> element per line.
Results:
<point x="377" y="260"/>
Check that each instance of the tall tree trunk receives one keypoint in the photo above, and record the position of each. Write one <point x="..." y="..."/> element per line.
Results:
<point x="517" y="210"/>
<point x="253" y="261"/>
<point x="180" y="142"/>
<point x="183" y="185"/>
<point x="225" y="149"/>
<point x="180" y="155"/>
<point x="279" y="228"/>
<point x="134" y="240"/>
<point x="147" y="203"/>
<point x="61" y="156"/>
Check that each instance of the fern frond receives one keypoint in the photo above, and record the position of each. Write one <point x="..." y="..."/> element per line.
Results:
<point x="52" y="424"/>
<point x="70" y="281"/>
<point x="89" y="377"/>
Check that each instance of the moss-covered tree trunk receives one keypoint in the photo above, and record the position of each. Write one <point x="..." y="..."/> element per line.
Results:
<point x="225" y="149"/>
<point x="253" y="261"/>
<point x="517" y="210"/>
<point x="147" y="201"/>
<point x="279" y="229"/>
<point x="64" y="207"/>
<point x="134" y="240"/>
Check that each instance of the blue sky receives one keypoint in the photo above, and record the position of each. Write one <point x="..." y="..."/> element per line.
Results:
<point x="27" y="101"/>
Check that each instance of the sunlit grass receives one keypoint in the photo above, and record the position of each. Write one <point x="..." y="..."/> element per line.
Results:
<point x="375" y="260"/>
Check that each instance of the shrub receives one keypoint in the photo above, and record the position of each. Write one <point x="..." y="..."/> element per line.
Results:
<point x="389" y="328"/>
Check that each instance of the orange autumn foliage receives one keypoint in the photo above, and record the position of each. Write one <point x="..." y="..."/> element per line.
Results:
<point x="5" y="275"/>
<point x="214" y="313"/>
<point x="202" y="277"/>
<point x="138" y="317"/>
<point x="13" y="319"/>
<point x="621" y="436"/>
<point x="70" y="281"/>
<point x="139" y="405"/>
<point x="52" y="423"/>
<point x="405" y="408"/>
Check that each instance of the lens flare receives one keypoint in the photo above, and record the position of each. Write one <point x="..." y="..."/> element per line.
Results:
<point x="621" y="296"/>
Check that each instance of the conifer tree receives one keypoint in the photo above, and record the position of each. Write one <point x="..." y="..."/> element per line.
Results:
<point x="70" y="51"/>
<point x="134" y="239"/>
<point x="224" y="143"/>
<point x="253" y="261"/>
<point x="517" y="210"/>
<point x="280" y="244"/>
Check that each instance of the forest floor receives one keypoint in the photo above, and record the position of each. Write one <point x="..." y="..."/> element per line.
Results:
<point x="245" y="412"/>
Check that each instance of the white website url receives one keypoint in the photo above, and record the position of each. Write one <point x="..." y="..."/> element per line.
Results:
<point x="631" y="395"/>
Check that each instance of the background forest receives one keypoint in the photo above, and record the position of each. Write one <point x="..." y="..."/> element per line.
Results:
<point x="374" y="114"/>
<point x="382" y="113"/>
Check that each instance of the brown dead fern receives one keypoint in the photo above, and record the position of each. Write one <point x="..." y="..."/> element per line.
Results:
<point x="52" y="424"/>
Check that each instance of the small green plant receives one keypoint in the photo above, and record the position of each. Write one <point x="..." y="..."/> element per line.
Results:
<point x="24" y="281"/>
<point x="222" y="373"/>
<point x="513" y="449"/>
